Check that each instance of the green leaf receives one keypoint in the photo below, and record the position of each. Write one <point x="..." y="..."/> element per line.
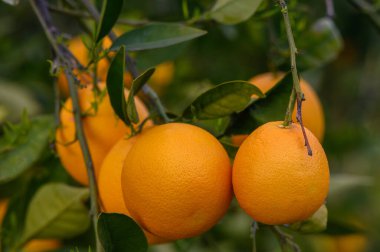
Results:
<point x="118" y="232"/>
<point x="316" y="223"/>
<point x="320" y="45"/>
<point x="115" y="85"/>
<point x="57" y="211"/>
<point x="230" y="148"/>
<point x="137" y="84"/>
<point x="12" y="2"/>
<point x="341" y="184"/>
<point x="222" y="100"/>
<point x="156" y="35"/>
<point x="110" y="13"/>
<point x="23" y="145"/>
<point x="335" y="227"/>
<point x="234" y="11"/>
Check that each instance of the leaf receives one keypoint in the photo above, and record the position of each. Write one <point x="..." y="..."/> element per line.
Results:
<point x="320" y="45"/>
<point x="156" y="35"/>
<point x="271" y="108"/>
<point x="12" y="2"/>
<point x="57" y="211"/>
<point x="111" y="10"/>
<point x="230" y="148"/>
<point x="234" y="11"/>
<point x="23" y="145"/>
<point x="335" y="227"/>
<point x="314" y="224"/>
<point x="342" y="183"/>
<point x="222" y="100"/>
<point x="135" y="88"/>
<point x="115" y="85"/>
<point x="118" y="232"/>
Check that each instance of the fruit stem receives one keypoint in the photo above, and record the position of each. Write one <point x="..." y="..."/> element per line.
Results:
<point x="330" y="11"/>
<point x="296" y="94"/>
<point x="150" y="96"/>
<point x="43" y="15"/>
<point x="286" y="240"/>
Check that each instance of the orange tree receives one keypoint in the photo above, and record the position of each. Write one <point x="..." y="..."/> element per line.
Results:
<point x="170" y="176"/>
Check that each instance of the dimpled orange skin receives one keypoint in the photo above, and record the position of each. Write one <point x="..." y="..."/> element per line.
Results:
<point x="274" y="179"/>
<point x="176" y="181"/>
<point x="312" y="110"/>
<point x="102" y="130"/>
<point x="109" y="182"/>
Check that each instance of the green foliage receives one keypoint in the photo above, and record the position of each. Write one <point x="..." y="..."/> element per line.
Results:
<point x="156" y="35"/>
<point x="222" y="100"/>
<point x="119" y="232"/>
<point x="233" y="11"/>
<point x="137" y="84"/>
<point x="22" y="145"/>
<point x="115" y="85"/>
<point x="56" y="211"/>
<point x="316" y="223"/>
<point x="111" y="10"/>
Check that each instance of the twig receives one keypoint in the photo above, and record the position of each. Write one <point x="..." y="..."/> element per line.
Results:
<point x="41" y="10"/>
<point x="296" y="92"/>
<point x="254" y="229"/>
<point x="285" y="239"/>
<point x="152" y="97"/>
<point x="330" y="10"/>
<point x="368" y="10"/>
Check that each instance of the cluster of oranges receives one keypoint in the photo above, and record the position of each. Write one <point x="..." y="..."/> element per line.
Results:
<point x="176" y="180"/>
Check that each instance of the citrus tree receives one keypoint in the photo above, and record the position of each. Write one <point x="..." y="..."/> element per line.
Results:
<point x="125" y="161"/>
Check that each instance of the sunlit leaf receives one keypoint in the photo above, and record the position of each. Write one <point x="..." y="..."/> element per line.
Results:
<point x="234" y="11"/>
<point x="222" y="100"/>
<point x="57" y="211"/>
<point x="156" y="35"/>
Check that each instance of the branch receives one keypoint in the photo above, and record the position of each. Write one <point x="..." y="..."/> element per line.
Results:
<point x="41" y="10"/>
<point x="285" y="239"/>
<point x="296" y="92"/>
<point x="330" y="10"/>
<point x="151" y="96"/>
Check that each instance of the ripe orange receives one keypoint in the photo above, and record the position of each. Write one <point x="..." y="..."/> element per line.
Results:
<point x="3" y="209"/>
<point x="312" y="111"/>
<point x="102" y="129"/>
<point x="162" y="76"/>
<point x="42" y="245"/>
<point x="176" y="181"/>
<point x="109" y="182"/>
<point x="274" y="179"/>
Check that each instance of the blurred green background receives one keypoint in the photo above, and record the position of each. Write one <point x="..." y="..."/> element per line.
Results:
<point x="347" y="80"/>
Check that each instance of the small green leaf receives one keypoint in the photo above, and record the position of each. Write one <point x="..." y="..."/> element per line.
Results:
<point x="316" y="223"/>
<point x="57" y="211"/>
<point x="320" y="45"/>
<point x="111" y="10"/>
<point x="234" y="11"/>
<point x="156" y="35"/>
<point x="222" y="100"/>
<point x="115" y="85"/>
<point x="23" y="145"/>
<point x="137" y="84"/>
<point x="118" y="232"/>
<point x="12" y="2"/>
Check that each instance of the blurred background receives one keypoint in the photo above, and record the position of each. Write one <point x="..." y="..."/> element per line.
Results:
<point x="345" y="73"/>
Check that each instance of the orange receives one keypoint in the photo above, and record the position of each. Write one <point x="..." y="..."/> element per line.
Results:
<point x="274" y="179"/>
<point x="312" y="111"/>
<point x="42" y="245"/>
<point x="109" y="182"/>
<point x="82" y="53"/>
<point x="351" y="243"/>
<point x="162" y="76"/>
<point x="3" y="209"/>
<point x="176" y="181"/>
<point x="102" y="130"/>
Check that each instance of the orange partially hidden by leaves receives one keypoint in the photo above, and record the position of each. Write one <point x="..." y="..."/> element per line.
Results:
<point x="312" y="111"/>
<point x="3" y="209"/>
<point x="275" y="180"/>
<point x="82" y="53"/>
<point x="351" y="243"/>
<point x="176" y="181"/>
<point x="42" y="245"/>
<point x="109" y="183"/>
<point x="101" y="126"/>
